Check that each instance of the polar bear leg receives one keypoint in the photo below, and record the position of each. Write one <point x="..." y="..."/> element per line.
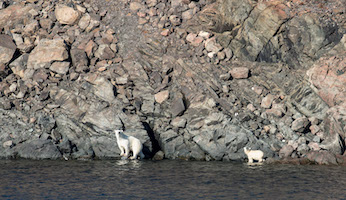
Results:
<point x="122" y="150"/>
<point x="250" y="160"/>
<point x="127" y="151"/>
<point x="136" y="147"/>
<point x="135" y="152"/>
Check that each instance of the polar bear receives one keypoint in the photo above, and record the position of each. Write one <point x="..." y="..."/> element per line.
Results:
<point x="127" y="144"/>
<point x="254" y="155"/>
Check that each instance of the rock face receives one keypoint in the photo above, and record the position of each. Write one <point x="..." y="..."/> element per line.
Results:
<point x="270" y="31"/>
<point x="192" y="80"/>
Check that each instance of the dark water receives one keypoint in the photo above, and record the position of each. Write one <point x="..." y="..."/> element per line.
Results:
<point x="120" y="179"/>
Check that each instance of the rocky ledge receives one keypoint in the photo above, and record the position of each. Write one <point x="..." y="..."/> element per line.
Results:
<point x="194" y="80"/>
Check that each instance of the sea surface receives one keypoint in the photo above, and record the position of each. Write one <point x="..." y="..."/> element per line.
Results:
<point x="122" y="179"/>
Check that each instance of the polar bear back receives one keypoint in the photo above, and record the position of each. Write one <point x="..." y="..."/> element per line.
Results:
<point x="255" y="154"/>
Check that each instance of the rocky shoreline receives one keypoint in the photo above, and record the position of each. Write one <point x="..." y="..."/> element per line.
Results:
<point x="193" y="80"/>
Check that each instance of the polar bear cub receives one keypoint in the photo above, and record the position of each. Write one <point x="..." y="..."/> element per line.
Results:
<point x="254" y="155"/>
<point x="129" y="144"/>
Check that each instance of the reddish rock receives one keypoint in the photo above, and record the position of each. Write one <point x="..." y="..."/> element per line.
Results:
<point x="328" y="78"/>
<point x="221" y="55"/>
<point x="135" y="6"/>
<point x="12" y="14"/>
<point x="314" y="146"/>
<point x="151" y="3"/>
<point x="267" y="101"/>
<point x="300" y="124"/>
<point x="212" y="46"/>
<point x="186" y="15"/>
<point x="239" y="72"/>
<point x="322" y="157"/>
<point x="89" y="48"/>
<point x="257" y="89"/>
<point x="141" y="14"/>
<point x="165" y="32"/>
<point x="204" y="34"/>
<point x="46" y="52"/>
<point x="275" y="112"/>
<point x="314" y="120"/>
<point x="152" y="12"/>
<point x="190" y="37"/>
<point x="162" y="96"/>
<point x="286" y="151"/>
<point x="142" y="21"/>
<point x="30" y="28"/>
<point x="7" y="48"/>
<point x="40" y="76"/>
<point x="251" y="107"/>
<point x="194" y="40"/>
<point x="65" y="14"/>
<point x="314" y="129"/>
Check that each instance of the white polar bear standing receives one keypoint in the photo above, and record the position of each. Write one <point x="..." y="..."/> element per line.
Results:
<point x="127" y="144"/>
<point x="254" y="155"/>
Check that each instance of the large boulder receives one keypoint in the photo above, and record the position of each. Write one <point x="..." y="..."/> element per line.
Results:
<point x="13" y="14"/>
<point x="65" y="14"/>
<point x="38" y="149"/>
<point x="46" y="52"/>
<point x="7" y="48"/>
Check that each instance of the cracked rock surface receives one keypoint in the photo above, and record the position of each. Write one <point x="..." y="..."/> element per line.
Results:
<point x="193" y="80"/>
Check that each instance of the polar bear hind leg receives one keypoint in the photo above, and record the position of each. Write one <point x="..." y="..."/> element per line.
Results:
<point x="136" y="147"/>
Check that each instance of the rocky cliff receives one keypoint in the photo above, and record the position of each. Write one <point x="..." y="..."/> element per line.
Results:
<point x="194" y="80"/>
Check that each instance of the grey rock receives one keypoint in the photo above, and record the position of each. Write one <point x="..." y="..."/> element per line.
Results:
<point x="47" y="123"/>
<point x="106" y="119"/>
<point x="160" y="155"/>
<point x="179" y="122"/>
<point x="333" y="144"/>
<point x="177" y="107"/>
<point x="104" y="52"/>
<point x="79" y="59"/>
<point x="303" y="149"/>
<point x="60" y="67"/>
<point x="38" y="149"/>
<point x="105" y="147"/>
<point x="5" y="104"/>
<point x="76" y="138"/>
<point x="18" y="66"/>
<point x="316" y="139"/>
<point x="102" y="87"/>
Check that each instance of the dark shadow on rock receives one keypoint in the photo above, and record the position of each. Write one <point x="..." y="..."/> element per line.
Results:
<point x="155" y="144"/>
